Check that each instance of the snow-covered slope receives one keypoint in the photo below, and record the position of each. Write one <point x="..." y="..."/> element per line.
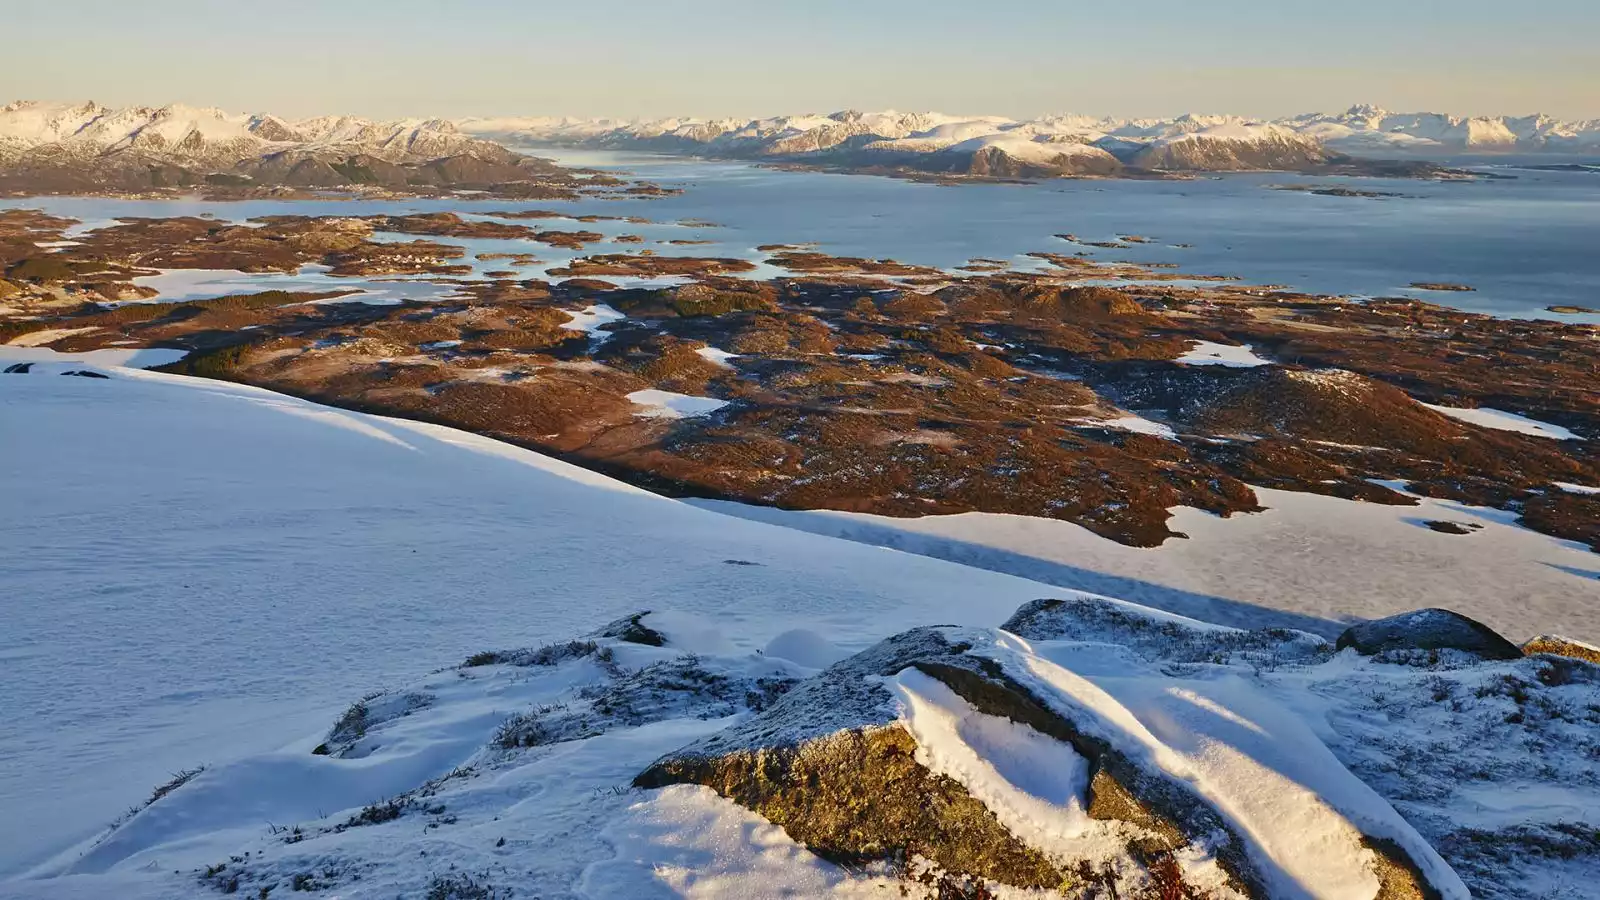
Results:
<point x="1361" y="130"/>
<point x="61" y="132"/>
<point x="193" y="570"/>
<point x="1231" y="146"/>
<point x="201" y="573"/>
<point x="1366" y="128"/>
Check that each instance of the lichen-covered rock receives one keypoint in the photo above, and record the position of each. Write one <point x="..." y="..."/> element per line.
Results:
<point x="1555" y="645"/>
<point x="860" y="795"/>
<point x="830" y="764"/>
<point x="863" y="762"/>
<point x="1428" y="629"/>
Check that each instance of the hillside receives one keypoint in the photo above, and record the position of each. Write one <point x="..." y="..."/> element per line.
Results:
<point x="284" y="557"/>
<point x="275" y="559"/>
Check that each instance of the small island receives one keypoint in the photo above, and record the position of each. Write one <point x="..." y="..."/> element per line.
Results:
<point x="1442" y="286"/>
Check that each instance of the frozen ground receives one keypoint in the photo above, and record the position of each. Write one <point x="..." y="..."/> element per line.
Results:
<point x="1505" y="421"/>
<point x="198" y="573"/>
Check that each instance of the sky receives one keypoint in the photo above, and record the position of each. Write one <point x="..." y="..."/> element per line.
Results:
<point x="630" y="58"/>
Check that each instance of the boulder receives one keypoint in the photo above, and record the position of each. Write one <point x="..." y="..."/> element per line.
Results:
<point x="1555" y="645"/>
<point x="1428" y="629"/>
<point x="632" y="630"/>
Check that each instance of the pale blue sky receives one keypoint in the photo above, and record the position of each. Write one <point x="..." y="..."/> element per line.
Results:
<point x="721" y="57"/>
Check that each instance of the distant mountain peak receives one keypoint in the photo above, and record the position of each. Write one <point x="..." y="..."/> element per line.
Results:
<point x="41" y="132"/>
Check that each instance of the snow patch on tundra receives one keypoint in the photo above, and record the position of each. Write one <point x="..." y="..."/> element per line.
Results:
<point x="1134" y="424"/>
<point x="1289" y="565"/>
<point x="717" y="356"/>
<point x="592" y="319"/>
<point x="1485" y="417"/>
<point x="658" y="404"/>
<point x="1207" y="353"/>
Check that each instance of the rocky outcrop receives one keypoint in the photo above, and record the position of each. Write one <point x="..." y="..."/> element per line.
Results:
<point x="829" y="763"/>
<point x="1428" y="629"/>
<point x="1555" y="645"/>
<point x="859" y="796"/>
<point x="837" y="767"/>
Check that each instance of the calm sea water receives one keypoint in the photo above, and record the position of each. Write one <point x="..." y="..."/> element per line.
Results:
<point x="1524" y="243"/>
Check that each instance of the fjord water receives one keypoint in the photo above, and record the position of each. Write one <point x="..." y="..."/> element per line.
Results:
<point x="1525" y="242"/>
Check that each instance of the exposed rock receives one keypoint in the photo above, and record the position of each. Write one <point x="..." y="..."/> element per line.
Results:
<point x="859" y="795"/>
<point x="1427" y="629"/>
<point x="828" y="763"/>
<point x="1100" y="301"/>
<point x="1559" y="646"/>
<point x="632" y="630"/>
<point x="834" y="765"/>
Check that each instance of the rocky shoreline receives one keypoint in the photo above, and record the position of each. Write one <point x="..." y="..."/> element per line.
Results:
<point x="860" y="384"/>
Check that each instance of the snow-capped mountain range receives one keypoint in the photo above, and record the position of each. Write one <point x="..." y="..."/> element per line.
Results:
<point x="52" y="133"/>
<point x="1076" y="143"/>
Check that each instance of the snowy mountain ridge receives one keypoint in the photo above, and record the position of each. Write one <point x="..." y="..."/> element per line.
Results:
<point x="35" y="132"/>
<point x="1361" y="128"/>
